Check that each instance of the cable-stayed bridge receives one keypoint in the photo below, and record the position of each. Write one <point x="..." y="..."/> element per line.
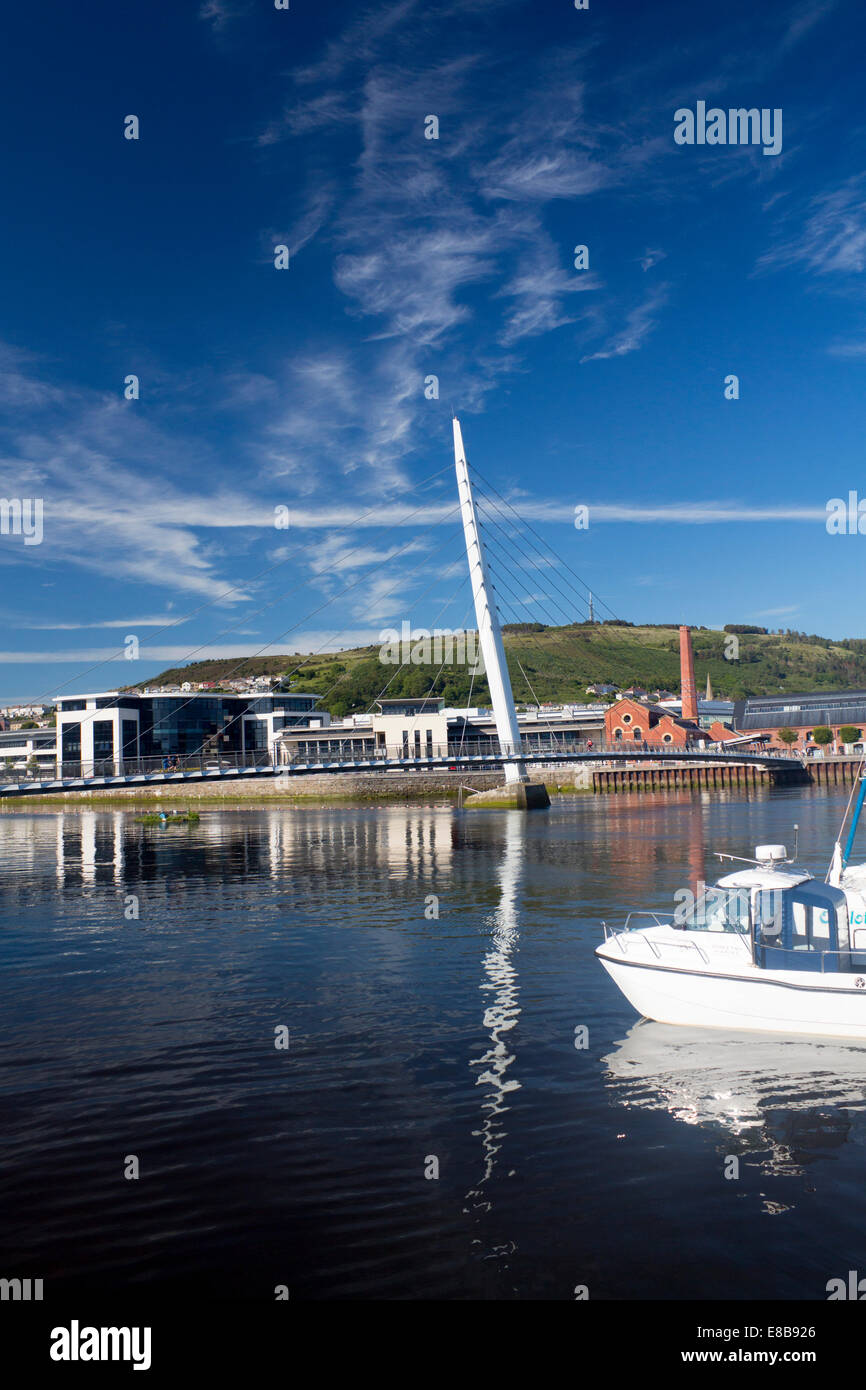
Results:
<point x="148" y="772"/>
<point x="502" y="553"/>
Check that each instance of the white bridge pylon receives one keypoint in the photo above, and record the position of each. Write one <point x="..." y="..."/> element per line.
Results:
<point x="489" y="631"/>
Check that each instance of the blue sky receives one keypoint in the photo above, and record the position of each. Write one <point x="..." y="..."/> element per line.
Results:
<point x="411" y="257"/>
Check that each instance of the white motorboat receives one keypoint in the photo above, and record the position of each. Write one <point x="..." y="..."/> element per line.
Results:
<point x="768" y="949"/>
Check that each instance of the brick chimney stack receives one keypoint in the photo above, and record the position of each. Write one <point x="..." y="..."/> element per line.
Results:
<point x="688" y="689"/>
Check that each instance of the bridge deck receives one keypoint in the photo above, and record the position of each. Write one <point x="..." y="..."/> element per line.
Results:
<point x="41" y="786"/>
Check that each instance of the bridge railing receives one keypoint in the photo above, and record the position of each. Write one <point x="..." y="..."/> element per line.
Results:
<point x="351" y="751"/>
<point x="176" y="764"/>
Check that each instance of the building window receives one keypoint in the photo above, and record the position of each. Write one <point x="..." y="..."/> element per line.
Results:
<point x="71" y="743"/>
<point x="129" y="738"/>
<point x="626" y="719"/>
<point x="637" y="735"/>
<point x="617" y="733"/>
<point x="668" y="738"/>
<point x="256" y="735"/>
<point x="103" y="740"/>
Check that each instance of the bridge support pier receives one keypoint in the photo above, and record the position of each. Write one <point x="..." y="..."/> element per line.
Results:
<point x="517" y="796"/>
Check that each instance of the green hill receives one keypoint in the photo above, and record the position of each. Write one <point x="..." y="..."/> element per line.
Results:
<point x="557" y="663"/>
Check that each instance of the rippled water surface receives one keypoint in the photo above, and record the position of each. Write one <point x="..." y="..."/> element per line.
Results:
<point x="415" y="1041"/>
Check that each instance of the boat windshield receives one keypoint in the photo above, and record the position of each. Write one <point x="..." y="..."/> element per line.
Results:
<point x="719" y="909"/>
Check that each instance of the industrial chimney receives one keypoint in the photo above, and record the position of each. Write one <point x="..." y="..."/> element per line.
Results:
<point x="688" y="690"/>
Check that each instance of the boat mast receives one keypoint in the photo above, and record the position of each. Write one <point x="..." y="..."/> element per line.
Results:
<point x="489" y="632"/>
<point x="849" y="844"/>
<point x="839" y="861"/>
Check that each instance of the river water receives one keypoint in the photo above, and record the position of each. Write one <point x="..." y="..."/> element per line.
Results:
<point x="431" y="1130"/>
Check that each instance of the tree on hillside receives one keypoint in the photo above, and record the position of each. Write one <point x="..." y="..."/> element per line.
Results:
<point x="786" y="735"/>
<point x="822" y="735"/>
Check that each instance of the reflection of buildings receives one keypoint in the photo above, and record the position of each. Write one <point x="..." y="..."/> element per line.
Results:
<point x="90" y="847"/>
<point x="499" y="986"/>
<point x="407" y="842"/>
<point x="787" y="1103"/>
<point x="105" y="847"/>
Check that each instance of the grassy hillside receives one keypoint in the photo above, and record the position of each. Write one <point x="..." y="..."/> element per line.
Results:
<point x="557" y="663"/>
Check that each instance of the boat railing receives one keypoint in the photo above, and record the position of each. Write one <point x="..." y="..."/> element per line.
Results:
<point x="661" y="919"/>
<point x="617" y="933"/>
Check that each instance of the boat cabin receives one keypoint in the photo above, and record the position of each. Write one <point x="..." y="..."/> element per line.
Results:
<point x="792" y="922"/>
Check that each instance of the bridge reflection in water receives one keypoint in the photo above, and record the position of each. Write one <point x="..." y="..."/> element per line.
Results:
<point x="499" y="986"/>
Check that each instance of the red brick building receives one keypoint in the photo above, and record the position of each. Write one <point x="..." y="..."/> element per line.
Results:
<point x="635" y="721"/>
<point x="632" y="721"/>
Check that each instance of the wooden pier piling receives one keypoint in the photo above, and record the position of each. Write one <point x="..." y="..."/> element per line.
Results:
<point x="721" y="776"/>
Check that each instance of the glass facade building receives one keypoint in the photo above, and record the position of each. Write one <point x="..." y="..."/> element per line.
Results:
<point x="95" y="731"/>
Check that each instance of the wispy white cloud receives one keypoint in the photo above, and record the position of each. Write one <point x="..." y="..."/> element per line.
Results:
<point x="551" y="150"/>
<point x="639" y="324"/>
<point x="541" y="289"/>
<point x="130" y="624"/>
<point x="329" y="108"/>
<point x="220" y="13"/>
<point x="306" y="226"/>
<point x="833" y="240"/>
<point x="112" y="501"/>
<point x="305" y="643"/>
<point x="854" y="350"/>
<point x="430" y="234"/>
<point x="782" y="612"/>
<point x="703" y="513"/>
<point x="651" y="258"/>
<point x="803" y="19"/>
<point x="337" y="556"/>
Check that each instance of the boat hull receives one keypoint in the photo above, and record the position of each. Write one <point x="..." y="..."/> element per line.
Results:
<point x="759" y="1002"/>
